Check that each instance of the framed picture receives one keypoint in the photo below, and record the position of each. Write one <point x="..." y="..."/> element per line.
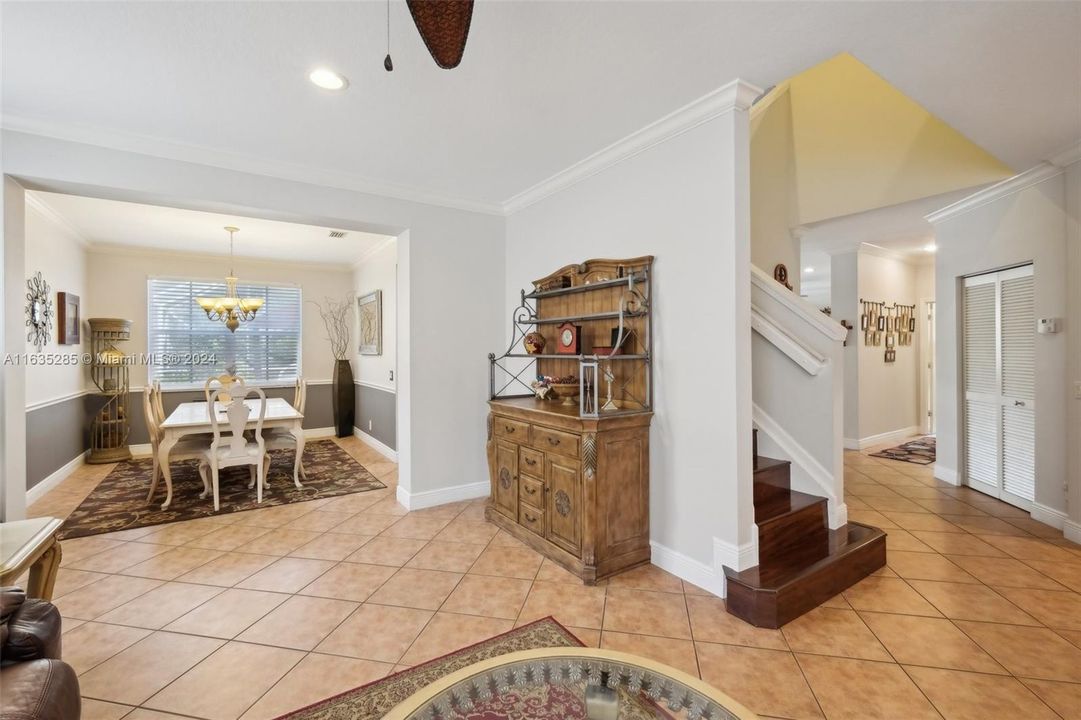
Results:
<point x="912" y="325"/>
<point x="891" y="355"/>
<point x="878" y="338"/>
<point x="863" y="322"/>
<point x="889" y="340"/>
<point x="69" y="319"/>
<point x="370" y="315"/>
<point x="881" y="323"/>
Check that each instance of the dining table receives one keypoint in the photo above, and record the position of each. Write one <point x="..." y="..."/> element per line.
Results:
<point x="193" y="418"/>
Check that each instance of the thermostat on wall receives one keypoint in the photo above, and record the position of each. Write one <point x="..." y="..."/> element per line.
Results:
<point x="1047" y="325"/>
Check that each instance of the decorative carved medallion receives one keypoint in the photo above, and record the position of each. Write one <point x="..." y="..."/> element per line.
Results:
<point x="504" y="478"/>
<point x="563" y="503"/>
<point x="39" y="312"/>
<point x="589" y="455"/>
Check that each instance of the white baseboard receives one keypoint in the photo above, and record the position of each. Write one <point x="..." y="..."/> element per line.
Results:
<point x="1049" y="516"/>
<point x="141" y="450"/>
<point x="738" y="558"/>
<point x="851" y="443"/>
<point x="54" y="478"/>
<point x="376" y="445"/>
<point x="946" y="474"/>
<point x="442" y="496"/>
<point x="1072" y="531"/>
<point x="887" y="437"/>
<point x="685" y="568"/>
<point x="319" y="433"/>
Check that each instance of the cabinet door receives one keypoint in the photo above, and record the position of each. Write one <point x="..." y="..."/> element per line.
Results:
<point x="505" y="482"/>
<point x="564" y="506"/>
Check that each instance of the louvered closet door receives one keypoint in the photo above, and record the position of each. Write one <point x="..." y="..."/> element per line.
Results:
<point x="1018" y="383"/>
<point x="999" y="384"/>
<point x="981" y="383"/>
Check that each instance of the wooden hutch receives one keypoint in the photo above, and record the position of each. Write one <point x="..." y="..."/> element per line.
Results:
<point x="570" y="474"/>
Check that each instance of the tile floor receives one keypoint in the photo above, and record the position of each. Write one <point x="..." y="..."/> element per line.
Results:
<point x="978" y="614"/>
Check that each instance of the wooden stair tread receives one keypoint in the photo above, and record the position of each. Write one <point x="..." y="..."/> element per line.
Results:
<point x="844" y="540"/>
<point x="762" y="463"/>
<point x="783" y="502"/>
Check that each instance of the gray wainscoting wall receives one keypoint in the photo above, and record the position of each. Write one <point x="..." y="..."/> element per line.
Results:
<point x="377" y="408"/>
<point x="56" y="434"/>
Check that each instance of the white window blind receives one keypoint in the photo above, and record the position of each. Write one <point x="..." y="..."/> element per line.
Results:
<point x="264" y="350"/>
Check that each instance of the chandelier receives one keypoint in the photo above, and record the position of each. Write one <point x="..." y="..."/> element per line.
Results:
<point x="231" y="309"/>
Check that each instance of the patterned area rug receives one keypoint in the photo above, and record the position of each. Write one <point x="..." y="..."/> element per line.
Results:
<point x="119" y="501"/>
<point x="376" y="699"/>
<point x="921" y="452"/>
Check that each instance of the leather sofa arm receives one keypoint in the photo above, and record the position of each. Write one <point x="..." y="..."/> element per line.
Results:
<point x="31" y="632"/>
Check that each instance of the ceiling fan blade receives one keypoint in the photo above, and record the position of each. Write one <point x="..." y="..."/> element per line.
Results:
<point x="444" y="25"/>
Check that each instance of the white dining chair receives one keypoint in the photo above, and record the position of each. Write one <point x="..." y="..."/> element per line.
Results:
<point x="234" y="449"/>
<point x="225" y="383"/>
<point x="189" y="448"/>
<point x="281" y="438"/>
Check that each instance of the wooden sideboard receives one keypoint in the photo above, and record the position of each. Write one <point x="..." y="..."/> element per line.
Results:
<point x="573" y="488"/>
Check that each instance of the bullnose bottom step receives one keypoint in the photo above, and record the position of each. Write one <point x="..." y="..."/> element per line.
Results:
<point x="776" y="594"/>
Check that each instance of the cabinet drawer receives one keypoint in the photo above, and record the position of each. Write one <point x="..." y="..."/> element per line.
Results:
<point x="531" y="519"/>
<point x="530" y="461"/>
<point x="555" y="441"/>
<point x="511" y="429"/>
<point x="532" y="492"/>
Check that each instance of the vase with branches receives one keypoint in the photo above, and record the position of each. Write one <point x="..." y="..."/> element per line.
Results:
<point x="337" y="317"/>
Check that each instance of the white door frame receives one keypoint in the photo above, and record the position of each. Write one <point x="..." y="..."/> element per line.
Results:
<point x="927" y="367"/>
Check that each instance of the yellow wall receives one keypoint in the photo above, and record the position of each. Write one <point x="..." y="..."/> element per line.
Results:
<point x="837" y="140"/>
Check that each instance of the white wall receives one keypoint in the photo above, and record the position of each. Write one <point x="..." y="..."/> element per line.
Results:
<point x="60" y="256"/>
<point x="118" y="287"/>
<point x="379" y="272"/>
<point x="845" y="301"/>
<point x="684" y="200"/>
<point x="888" y="392"/>
<point x="447" y="257"/>
<point x="1025" y="224"/>
<point x="1073" y="337"/>
<point x="13" y="375"/>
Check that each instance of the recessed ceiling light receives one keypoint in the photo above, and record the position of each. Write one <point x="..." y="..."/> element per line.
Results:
<point x="930" y="247"/>
<point x="808" y="270"/>
<point x="328" y="79"/>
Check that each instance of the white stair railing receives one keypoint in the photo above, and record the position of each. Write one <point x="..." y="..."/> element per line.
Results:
<point x="798" y="389"/>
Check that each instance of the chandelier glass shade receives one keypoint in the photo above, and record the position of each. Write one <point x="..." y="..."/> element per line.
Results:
<point x="230" y="309"/>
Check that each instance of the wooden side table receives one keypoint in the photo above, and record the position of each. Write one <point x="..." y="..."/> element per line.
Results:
<point x="31" y="544"/>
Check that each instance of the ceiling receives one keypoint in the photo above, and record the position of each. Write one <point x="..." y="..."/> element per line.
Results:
<point x="542" y="85"/>
<point x="900" y="229"/>
<point x="115" y="224"/>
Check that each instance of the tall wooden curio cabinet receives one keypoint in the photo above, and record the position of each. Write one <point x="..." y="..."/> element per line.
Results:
<point x="570" y="408"/>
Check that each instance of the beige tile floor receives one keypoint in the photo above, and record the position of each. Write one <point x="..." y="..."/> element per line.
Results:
<point x="978" y="614"/>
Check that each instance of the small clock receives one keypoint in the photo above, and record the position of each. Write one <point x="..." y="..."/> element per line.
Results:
<point x="569" y="339"/>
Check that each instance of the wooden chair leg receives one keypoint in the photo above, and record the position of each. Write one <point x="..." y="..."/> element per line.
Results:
<point x="251" y="476"/>
<point x="153" y="479"/>
<point x="43" y="573"/>
<point x="260" y="472"/>
<point x="203" y="467"/>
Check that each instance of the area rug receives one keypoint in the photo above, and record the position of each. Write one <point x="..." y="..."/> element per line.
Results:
<point x="921" y="452"/>
<point x="119" y="500"/>
<point x="376" y="699"/>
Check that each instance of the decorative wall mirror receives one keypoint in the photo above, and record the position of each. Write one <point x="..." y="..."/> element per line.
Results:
<point x="39" y="312"/>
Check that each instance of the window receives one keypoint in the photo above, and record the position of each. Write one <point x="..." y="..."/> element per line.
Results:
<point x="264" y="350"/>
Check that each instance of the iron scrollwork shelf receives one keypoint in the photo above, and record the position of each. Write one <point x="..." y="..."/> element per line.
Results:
<point x="509" y="375"/>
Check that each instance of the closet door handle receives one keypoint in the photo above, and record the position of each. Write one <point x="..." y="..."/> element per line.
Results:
<point x="1019" y="403"/>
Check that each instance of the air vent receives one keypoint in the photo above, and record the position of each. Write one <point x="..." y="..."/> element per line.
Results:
<point x="337" y="233"/>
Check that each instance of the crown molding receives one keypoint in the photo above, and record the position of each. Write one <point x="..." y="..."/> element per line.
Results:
<point x="1009" y="186"/>
<point x="227" y="160"/>
<point x="371" y="252"/>
<point x="1068" y="156"/>
<point x="47" y="211"/>
<point x="736" y="95"/>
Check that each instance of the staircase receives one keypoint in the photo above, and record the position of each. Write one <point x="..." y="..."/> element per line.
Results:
<point x="801" y="562"/>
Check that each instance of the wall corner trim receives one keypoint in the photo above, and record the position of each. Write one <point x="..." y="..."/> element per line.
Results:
<point x="1072" y="531"/>
<point x="737" y="95"/>
<point x="1009" y="186"/>
<point x="946" y="474"/>
<point x="685" y="568"/>
<point x="55" y="478"/>
<point x="380" y="447"/>
<point x="442" y="496"/>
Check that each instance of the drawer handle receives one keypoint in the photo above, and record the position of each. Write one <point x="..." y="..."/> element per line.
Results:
<point x="509" y="429"/>
<point x="530" y="461"/>
<point x="553" y="441"/>
<point x="530" y="490"/>
<point x="530" y="518"/>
